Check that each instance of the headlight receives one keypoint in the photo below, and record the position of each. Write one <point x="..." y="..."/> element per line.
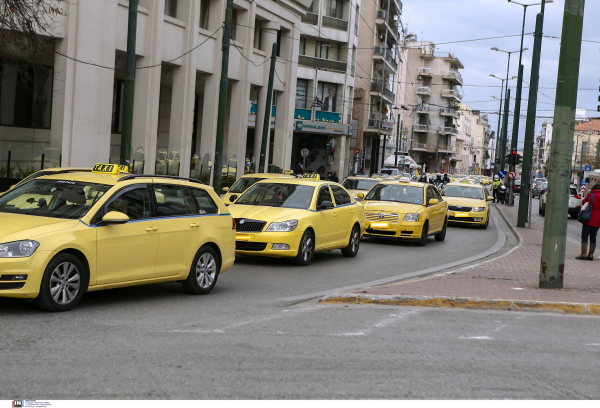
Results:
<point x="412" y="217"/>
<point x="18" y="249"/>
<point x="479" y="209"/>
<point x="284" y="226"/>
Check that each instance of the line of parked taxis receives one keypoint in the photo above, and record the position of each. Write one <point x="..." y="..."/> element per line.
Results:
<point x="67" y="231"/>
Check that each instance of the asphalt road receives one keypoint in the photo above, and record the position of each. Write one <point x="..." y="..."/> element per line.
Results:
<point x="155" y="342"/>
<point x="573" y="226"/>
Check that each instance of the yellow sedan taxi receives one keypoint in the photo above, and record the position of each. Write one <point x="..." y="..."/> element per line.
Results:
<point x="246" y="181"/>
<point x="69" y="233"/>
<point x="467" y="204"/>
<point x="355" y="185"/>
<point x="405" y="210"/>
<point x="295" y="218"/>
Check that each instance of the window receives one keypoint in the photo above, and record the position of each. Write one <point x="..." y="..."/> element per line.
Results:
<point x="324" y="195"/>
<point x="322" y="50"/>
<point x="234" y="14"/>
<point x="301" y="87"/>
<point x="334" y="8"/>
<point x="278" y="54"/>
<point x="302" y="46"/>
<point x="171" y="201"/>
<point x="205" y="204"/>
<point x="171" y="8"/>
<point x="117" y="108"/>
<point x="314" y="7"/>
<point x="134" y="203"/>
<point x="341" y="197"/>
<point x="430" y="194"/>
<point x="356" y="18"/>
<point x="204" y="12"/>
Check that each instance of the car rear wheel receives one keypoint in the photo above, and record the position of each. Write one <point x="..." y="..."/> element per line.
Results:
<point x="423" y="240"/>
<point x="440" y="236"/>
<point x="62" y="285"/>
<point x="306" y="249"/>
<point x="352" y="249"/>
<point x="204" y="272"/>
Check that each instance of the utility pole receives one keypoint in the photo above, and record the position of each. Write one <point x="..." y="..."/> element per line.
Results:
<point x="412" y="135"/>
<point x="222" y="113"/>
<point x="504" y="128"/>
<point x="437" y="152"/>
<point x="267" y="121"/>
<point x="515" y="134"/>
<point x="552" y="264"/>
<point x="127" y="131"/>
<point x="524" y="199"/>
<point x="498" y="129"/>
<point x="399" y="124"/>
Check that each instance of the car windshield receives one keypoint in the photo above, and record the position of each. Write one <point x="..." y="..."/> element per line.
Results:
<point x="465" y="192"/>
<point x="359" y="184"/>
<point x="242" y="184"/>
<point x="573" y="191"/>
<point x="390" y="172"/>
<point x="278" y="195"/>
<point x="517" y="182"/>
<point x="172" y="156"/>
<point x="396" y="193"/>
<point x="53" y="198"/>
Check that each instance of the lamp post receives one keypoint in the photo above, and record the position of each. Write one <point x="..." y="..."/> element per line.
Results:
<point x="496" y="155"/>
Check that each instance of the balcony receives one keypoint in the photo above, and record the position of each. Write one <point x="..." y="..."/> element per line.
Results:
<point x="373" y="123"/>
<point x="449" y="112"/>
<point x="453" y="76"/>
<point x="420" y="128"/>
<point x="424" y="90"/>
<point x="383" y="20"/>
<point x="311" y="18"/>
<point x="422" y="109"/>
<point x="335" y="23"/>
<point x="321" y="63"/>
<point x="419" y="146"/>
<point x="445" y="148"/>
<point x="426" y="72"/>
<point x="381" y="89"/>
<point x="447" y="130"/>
<point x="451" y="93"/>
<point x="380" y="51"/>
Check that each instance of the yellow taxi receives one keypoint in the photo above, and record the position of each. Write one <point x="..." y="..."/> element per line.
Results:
<point x="246" y="181"/>
<point x="47" y="172"/>
<point x="467" y="204"/>
<point x="295" y="218"/>
<point x="406" y="210"/>
<point x="355" y="185"/>
<point x="69" y="233"/>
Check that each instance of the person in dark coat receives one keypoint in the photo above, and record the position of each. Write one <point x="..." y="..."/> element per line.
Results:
<point x="590" y="229"/>
<point x="335" y="178"/>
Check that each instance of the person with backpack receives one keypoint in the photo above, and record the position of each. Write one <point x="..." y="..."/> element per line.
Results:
<point x="590" y="227"/>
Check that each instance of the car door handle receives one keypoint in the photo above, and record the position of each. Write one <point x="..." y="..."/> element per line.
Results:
<point x="194" y="225"/>
<point x="150" y="229"/>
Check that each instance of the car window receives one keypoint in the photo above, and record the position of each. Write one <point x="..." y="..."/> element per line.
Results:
<point x="436" y="194"/>
<point x="205" y="203"/>
<point x="134" y="203"/>
<point x="341" y="197"/>
<point x="359" y="184"/>
<point x="429" y="194"/>
<point x="396" y="193"/>
<point x="324" y="195"/>
<point x="278" y="195"/>
<point x="171" y="201"/>
<point x="573" y="191"/>
<point x="462" y="191"/>
<point x="242" y="184"/>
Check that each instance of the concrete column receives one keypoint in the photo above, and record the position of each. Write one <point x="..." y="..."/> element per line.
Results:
<point x="209" y="117"/>
<point x="82" y="101"/>
<point x="258" y="126"/>
<point x="339" y="159"/>
<point x="238" y="124"/>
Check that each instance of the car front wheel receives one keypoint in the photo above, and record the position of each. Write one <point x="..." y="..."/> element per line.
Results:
<point x="306" y="249"/>
<point x="440" y="236"/>
<point x="63" y="284"/>
<point x="423" y="240"/>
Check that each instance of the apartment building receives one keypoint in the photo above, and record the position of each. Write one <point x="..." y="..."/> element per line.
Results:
<point x="325" y="86"/>
<point x="586" y="146"/>
<point x="475" y="144"/>
<point x="74" y="115"/>
<point x="434" y="94"/>
<point x="542" y="156"/>
<point x="377" y="66"/>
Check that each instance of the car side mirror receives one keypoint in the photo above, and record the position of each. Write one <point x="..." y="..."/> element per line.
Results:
<point x="433" y="201"/>
<point x="490" y="198"/>
<point x="114" y="217"/>
<point x="225" y="189"/>
<point x="325" y="205"/>
<point x="233" y="198"/>
<point x="361" y="195"/>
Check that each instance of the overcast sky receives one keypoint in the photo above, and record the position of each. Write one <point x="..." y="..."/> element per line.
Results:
<point x="445" y="20"/>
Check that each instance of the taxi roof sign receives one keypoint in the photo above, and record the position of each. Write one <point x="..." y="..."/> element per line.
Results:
<point x="106" y="168"/>
<point x="404" y="180"/>
<point x="288" y="172"/>
<point x="124" y="169"/>
<point x="311" y="176"/>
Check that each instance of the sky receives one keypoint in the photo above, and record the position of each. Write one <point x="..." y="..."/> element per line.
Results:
<point x="457" y="20"/>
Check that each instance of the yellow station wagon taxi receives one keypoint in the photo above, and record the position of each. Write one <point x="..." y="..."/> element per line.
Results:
<point x="247" y="181"/>
<point x="405" y="210"/>
<point x="68" y="233"/>
<point x="296" y="217"/>
<point x="467" y="204"/>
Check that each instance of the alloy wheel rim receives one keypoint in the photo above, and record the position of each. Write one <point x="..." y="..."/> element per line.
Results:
<point x="354" y="241"/>
<point x="64" y="283"/>
<point x="306" y="247"/>
<point x="206" y="270"/>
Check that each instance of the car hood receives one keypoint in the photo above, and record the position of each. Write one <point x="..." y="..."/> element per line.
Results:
<point x="465" y="202"/>
<point x="264" y="213"/>
<point x="390" y="207"/>
<point x="14" y="227"/>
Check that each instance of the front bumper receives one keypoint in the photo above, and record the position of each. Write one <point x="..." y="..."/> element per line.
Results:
<point x="261" y="243"/>
<point x="402" y="230"/>
<point x="32" y="266"/>
<point x="475" y="218"/>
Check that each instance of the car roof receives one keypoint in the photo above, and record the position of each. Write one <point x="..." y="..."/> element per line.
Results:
<point x="297" y="181"/>
<point x="404" y="183"/>
<point x="113" y="179"/>
<point x="268" y="175"/>
<point x="464" y="185"/>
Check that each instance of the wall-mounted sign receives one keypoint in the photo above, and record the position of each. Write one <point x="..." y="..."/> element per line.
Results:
<point x="387" y="124"/>
<point x="319" y="127"/>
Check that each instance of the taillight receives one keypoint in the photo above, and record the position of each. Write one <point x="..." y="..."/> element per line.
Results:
<point x="233" y="224"/>
<point x="577" y="196"/>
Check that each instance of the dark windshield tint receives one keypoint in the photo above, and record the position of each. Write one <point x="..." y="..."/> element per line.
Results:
<point x="242" y="184"/>
<point x="465" y="192"/>
<point x="53" y="198"/>
<point x="396" y="193"/>
<point x="359" y="184"/>
<point x="390" y="172"/>
<point x="278" y="195"/>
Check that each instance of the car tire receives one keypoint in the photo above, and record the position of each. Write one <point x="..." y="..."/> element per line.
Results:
<point x="306" y="249"/>
<point x="540" y="209"/>
<point x="423" y="240"/>
<point x="63" y="284"/>
<point x="204" y="272"/>
<point x="354" y="242"/>
<point x="440" y="236"/>
<point x="487" y="223"/>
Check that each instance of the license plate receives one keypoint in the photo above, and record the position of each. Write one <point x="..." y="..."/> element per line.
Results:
<point x="242" y="237"/>
<point x="461" y="214"/>
<point x="379" y="224"/>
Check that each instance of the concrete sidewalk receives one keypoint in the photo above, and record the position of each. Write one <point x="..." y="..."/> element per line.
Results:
<point x="509" y="282"/>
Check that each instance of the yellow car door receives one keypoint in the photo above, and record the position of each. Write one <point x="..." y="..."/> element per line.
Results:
<point x="127" y="252"/>
<point x="326" y="220"/>
<point x="345" y="212"/>
<point x="179" y="236"/>
<point x="433" y="213"/>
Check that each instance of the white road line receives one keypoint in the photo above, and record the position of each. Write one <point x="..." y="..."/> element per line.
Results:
<point x="393" y="318"/>
<point x="480" y="338"/>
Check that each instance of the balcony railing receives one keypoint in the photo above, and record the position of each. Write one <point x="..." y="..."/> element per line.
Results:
<point x="422" y="109"/>
<point x="311" y="18"/>
<point x="420" y="128"/>
<point x="336" y="23"/>
<point x="389" y="21"/>
<point x="448" y="112"/>
<point x="426" y="72"/>
<point x="373" y="123"/>
<point x="451" y="93"/>
<point x="423" y="90"/>
<point x="387" y="55"/>
<point x="453" y="75"/>
<point x="302" y="114"/>
<point x="375" y="87"/>
<point x="449" y="130"/>
<point x="420" y="146"/>
<point x="445" y="148"/>
<point x="321" y="63"/>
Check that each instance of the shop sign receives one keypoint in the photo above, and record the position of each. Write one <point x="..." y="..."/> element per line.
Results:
<point x="319" y="127"/>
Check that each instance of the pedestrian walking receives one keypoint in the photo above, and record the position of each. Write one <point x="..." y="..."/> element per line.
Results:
<point x="335" y="178"/>
<point x="589" y="230"/>
<point x="299" y="169"/>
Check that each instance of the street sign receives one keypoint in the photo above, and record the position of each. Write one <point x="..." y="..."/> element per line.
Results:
<point x="356" y="151"/>
<point x="512" y="174"/>
<point x="304" y="152"/>
<point x="588" y="168"/>
<point x="502" y="174"/>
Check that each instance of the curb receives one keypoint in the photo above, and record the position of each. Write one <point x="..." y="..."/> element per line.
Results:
<point x="466" y="303"/>
<point x="516" y="233"/>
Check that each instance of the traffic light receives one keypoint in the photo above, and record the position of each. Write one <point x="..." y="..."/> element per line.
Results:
<point x="514" y="157"/>
<point x="330" y="149"/>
